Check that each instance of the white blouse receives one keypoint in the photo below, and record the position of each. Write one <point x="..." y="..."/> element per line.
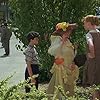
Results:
<point x="89" y="36"/>
<point x="55" y="44"/>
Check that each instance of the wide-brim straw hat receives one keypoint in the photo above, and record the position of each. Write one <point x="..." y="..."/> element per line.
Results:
<point x="66" y="26"/>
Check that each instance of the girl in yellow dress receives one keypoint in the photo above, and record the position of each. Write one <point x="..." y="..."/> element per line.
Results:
<point x="64" y="71"/>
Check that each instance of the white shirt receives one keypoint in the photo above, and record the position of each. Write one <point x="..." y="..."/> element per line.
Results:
<point x="89" y="36"/>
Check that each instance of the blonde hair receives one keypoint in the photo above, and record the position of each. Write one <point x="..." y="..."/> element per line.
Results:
<point x="91" y="18"/>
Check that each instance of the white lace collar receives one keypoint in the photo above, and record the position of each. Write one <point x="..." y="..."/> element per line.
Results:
<point x="96" y="30"/>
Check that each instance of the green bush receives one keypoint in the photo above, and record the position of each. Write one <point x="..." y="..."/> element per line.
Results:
<point x="17" y="92"/>
<point x="42" y="16"/>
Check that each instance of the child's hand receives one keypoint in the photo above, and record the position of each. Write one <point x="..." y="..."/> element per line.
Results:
<point x="72" y="67"/>
<point x="33" y="81"/>
<point x="91" y="55"/>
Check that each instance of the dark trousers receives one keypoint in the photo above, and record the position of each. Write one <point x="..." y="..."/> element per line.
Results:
<point x="6" y="47"/>
<point x="35" y="70"/>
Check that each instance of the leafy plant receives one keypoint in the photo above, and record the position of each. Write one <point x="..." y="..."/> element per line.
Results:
<point x="42" y="16"/>
<point x="16" y="92"/>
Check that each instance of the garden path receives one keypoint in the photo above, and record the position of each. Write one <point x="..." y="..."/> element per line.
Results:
<point x="13" y="64"/>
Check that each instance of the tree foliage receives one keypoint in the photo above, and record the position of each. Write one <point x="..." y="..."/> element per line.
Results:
<point x="43" y="15"/>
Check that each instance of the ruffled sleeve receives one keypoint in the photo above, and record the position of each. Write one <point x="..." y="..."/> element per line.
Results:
<point x="55" y="44"/>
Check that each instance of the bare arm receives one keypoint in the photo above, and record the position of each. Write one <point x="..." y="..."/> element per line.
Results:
<point x="91" y="54"/>
<point x="29" y="69"/>
<point x="30" y="72"/>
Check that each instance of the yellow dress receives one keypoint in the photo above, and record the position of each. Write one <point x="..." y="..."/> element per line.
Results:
<point x="61" y="74"/>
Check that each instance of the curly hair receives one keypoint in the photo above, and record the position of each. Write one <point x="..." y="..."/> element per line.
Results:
<point x="91" y="18"/>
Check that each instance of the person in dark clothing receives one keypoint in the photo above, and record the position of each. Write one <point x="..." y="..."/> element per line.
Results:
<point x="32" y="61"/>
<point x="1" y="32"/>
<point x="92" y="68"/>
<point x="5" y="39"/>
